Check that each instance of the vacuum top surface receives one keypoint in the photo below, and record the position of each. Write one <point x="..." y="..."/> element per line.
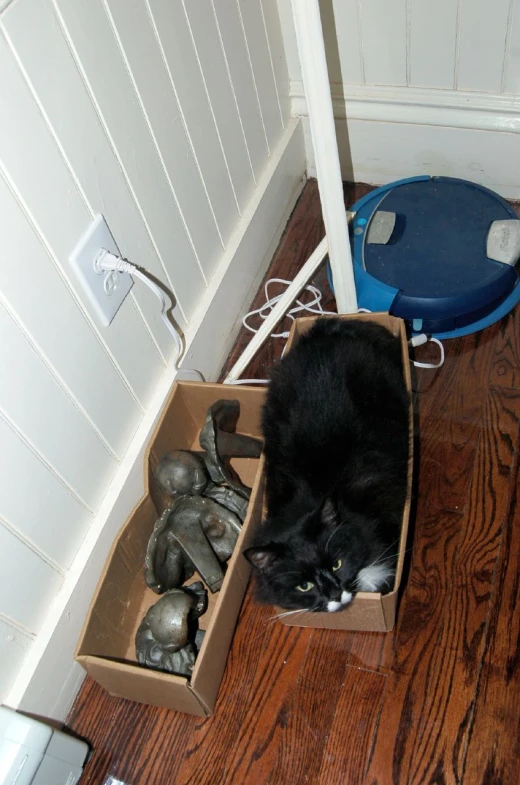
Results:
<point x="440" y="240"/>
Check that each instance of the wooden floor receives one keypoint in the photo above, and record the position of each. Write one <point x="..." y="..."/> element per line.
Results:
<point x="435" y="701"/>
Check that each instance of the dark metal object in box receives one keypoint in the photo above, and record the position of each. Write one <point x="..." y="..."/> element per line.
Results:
<point x="164" y="640"/>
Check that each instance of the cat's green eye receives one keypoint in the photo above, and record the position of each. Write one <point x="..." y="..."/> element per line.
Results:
<point x="305" y="586"/>
<point x="337" y="565"/>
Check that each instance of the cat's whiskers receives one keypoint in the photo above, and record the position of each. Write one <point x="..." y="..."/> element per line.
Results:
<point x="288" y="613"/>
<point x="379" y="560"/>
<point x="388" y="547"/>
<point x="387" y="558"/>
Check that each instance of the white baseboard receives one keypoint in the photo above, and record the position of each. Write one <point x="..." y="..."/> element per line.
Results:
<point x="386" y="133"/>
<point x="49" y="679"/>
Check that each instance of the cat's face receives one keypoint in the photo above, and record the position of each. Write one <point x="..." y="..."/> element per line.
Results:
<point x="319" y="569"/>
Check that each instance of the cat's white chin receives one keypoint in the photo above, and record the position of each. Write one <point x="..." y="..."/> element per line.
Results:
<point x="336" y="605"/>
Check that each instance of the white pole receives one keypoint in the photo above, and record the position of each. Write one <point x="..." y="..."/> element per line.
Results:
<point x="309" y="35"/>
<point x="278" y="312"/>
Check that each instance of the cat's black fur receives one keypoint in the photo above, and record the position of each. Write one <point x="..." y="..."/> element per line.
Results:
<point x="336" y="435"/>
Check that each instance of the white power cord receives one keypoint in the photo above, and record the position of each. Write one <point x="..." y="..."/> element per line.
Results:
<point x="315" y="307"/>
<point x="104" y="260"/>
<point x="267" y="307"/>
<point x="419" y="340"/>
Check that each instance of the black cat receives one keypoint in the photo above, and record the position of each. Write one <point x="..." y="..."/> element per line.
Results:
<point x="336" y="435"/>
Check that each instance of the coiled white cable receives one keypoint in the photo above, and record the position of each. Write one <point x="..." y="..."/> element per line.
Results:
<point x="314" y="306"/>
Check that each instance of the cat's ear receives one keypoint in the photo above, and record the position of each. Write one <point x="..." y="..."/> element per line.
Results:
<point x="328" y="514"/>
<point x="262" y="559"/>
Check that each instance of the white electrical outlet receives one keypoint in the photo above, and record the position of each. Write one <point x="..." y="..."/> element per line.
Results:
<point x="105" y="290"/>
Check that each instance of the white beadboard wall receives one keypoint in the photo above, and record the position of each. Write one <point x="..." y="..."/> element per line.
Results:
<point x="171" y="118"/>
<point x="420" y="87"/>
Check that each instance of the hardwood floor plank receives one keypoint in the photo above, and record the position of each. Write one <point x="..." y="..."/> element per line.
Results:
<point x="506" y="364"/>
<point x="428" y="703"/>
<point x="263" y="668"/>
<point x="493" y="756"/>
<point x="129" y="739"/>
<point x="307" y="718"/>
<point x="353" y="726"/>
<point x="451" y="405"/>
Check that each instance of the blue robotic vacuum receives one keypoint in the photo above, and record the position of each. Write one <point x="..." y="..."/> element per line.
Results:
<point x="438" y="252"/>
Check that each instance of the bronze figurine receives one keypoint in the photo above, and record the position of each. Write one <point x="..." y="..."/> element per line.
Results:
<point x="166" y="638"/>
<point x="181" y="472"/>
<point x="193" y="533"/>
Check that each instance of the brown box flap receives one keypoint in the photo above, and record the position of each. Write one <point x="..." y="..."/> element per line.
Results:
<point x="208" y="671"/>
<point x="142" y="685"/>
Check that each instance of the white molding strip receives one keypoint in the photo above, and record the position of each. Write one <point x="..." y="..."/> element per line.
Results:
<point x="49" y="679"/>
<point x="418" y="106"/>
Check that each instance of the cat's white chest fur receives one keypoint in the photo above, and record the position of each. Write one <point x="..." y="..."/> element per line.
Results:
<point x="374" y="578"/>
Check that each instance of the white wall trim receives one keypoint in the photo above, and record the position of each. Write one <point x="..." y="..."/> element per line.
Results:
<point x="418" y="106"/>
<point x="311" y="47"/>
<point x="49" y="679"/>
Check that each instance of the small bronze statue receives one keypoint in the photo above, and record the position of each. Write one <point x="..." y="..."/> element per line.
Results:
<point x="199" y="529"/>
<point x="193" y="533"/>
<point x="228" y="498"/>
<point x="166" y="636"/>
<point x="181" y="472"/>
<point x="220" y="426"/>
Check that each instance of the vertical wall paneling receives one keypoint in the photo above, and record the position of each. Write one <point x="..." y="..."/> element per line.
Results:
<point x="150" y="74"/>
<point x="205" y="35"/>
<point x="40" y="408"/>
<point x="14" y="645"/>
<point x="27" y="582"/>
<point x="107" y="76"/>
<point x="171" y="119"/>
<point x="511" y="80"/>
<point x="254" y="30"/>
<point x="292" y="57"/>
<point x="276" y="50"/>
<point x="433" y="32"/>
<point x="43" y="509"/>
<point x="237" y="57"/>
<point x="383" y="27"/>
<point x="49" y="64"/>
<point x="45" y="185"/>
<point x="181" y="58"/>
<point x="343" y="42"/>
<point x="482" y="39"/>
<point x="41" y="301"/>
<point x="467" y="45"/>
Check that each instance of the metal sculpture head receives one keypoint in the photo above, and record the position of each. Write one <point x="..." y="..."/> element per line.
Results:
<point x="165" y="637"/>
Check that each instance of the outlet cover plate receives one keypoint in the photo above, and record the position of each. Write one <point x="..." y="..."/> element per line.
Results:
<point x="105" y="291"/>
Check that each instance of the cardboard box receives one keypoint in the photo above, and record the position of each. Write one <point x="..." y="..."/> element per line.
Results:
<point x="106" y="645"/>
<point x="370" y="612"/>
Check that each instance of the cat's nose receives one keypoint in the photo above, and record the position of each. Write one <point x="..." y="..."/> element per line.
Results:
<point x="335" y="594"/>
